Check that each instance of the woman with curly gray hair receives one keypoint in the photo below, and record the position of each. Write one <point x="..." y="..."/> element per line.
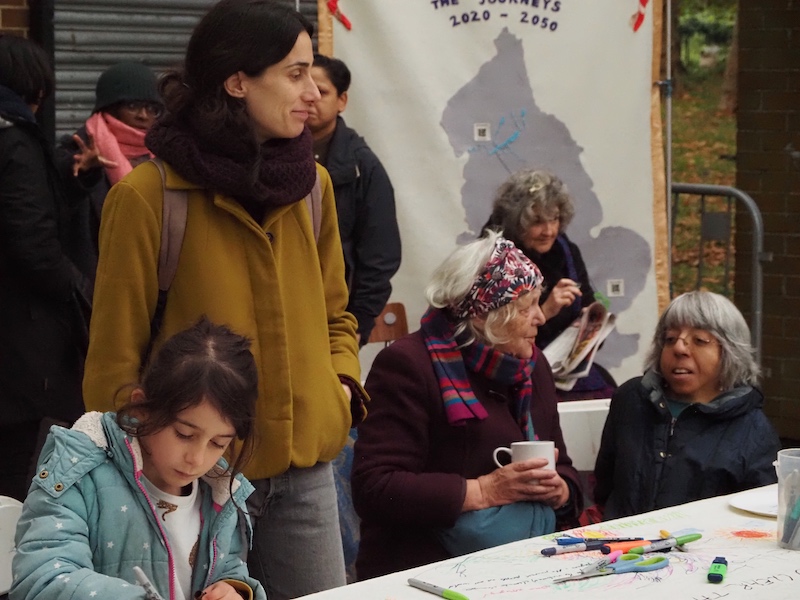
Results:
<point x="692" y="427"/>
<point x="533" y="208"/>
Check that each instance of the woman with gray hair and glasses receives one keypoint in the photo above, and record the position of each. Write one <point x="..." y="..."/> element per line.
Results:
<point x="692" y="427"/>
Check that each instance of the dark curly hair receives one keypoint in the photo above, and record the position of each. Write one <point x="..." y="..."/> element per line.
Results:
<point x="235" y="35"/>
<point x="205" y="362"/>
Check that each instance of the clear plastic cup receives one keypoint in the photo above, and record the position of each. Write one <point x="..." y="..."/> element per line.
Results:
<point x="788" y="468"/>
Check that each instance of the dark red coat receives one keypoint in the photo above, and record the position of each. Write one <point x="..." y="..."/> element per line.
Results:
<point x="410" y="466"/>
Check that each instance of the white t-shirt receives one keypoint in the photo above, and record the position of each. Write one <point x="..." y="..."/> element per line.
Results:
<point x="180" y="516"/>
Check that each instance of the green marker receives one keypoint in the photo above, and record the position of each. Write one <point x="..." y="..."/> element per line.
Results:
<point x="718" y="569"/>
<point x="666" y="545"/>
<point x="435" y="589"/>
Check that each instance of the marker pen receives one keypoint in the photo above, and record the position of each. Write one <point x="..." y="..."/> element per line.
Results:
<point x="666" y="545"/>
<point x="718" y="569"/>
<point x="624" y="546"/>
<point x="605" y="540"/>
<point x="564" y="549"/>
<point x="435" y="589"/>
<point x="657" y="546"/>
<point x="149" y="589"/>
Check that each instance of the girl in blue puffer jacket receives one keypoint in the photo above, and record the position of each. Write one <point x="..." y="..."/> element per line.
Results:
<point x="147" y="486"/>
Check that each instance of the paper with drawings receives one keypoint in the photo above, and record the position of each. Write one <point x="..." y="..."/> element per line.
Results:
<point x="757" y="567"/>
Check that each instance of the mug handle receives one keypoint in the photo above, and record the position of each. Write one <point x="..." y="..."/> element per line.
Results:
<point x="497" y="451"/>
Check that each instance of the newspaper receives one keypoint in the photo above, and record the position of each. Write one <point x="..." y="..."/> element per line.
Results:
<point x="572" y="353"/>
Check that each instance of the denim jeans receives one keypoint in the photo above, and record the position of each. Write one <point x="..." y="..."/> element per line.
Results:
<point x="297" y="545"/>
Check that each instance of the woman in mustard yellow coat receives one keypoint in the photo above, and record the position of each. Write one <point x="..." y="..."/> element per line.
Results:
<point x="234" y="137"/>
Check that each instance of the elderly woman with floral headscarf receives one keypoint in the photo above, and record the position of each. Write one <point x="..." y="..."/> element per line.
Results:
<point x="443" y="398"/>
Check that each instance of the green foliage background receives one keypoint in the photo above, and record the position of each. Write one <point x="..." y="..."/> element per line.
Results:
<point x="703" y="144"/>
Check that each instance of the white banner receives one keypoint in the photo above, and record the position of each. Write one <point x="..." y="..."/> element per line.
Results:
<point x="454" y="95"/>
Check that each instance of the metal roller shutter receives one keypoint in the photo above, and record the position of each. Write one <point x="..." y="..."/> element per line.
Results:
<point x="91" y="35"/>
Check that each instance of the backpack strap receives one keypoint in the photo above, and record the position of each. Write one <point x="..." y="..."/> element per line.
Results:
<point x="314" y="204"/>
<point x="174" y="211"/>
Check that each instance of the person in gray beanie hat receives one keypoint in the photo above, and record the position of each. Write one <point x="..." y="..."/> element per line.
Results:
<point x="109" y="145"/>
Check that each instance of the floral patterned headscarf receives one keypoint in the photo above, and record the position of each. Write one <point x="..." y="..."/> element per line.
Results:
<point x="507" y="275"/>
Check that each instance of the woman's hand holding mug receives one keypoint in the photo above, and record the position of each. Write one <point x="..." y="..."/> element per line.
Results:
<point x="522" y="451"/>
<point x="531" y="476"/>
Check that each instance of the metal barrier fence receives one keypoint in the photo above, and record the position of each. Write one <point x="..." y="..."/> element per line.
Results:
<point x="716" y="226"/>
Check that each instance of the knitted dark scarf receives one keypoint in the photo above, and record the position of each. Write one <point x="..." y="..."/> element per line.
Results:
<point x="14" y="107"/>
<point x="450" y="365"/>
<point x="276" y="173"/>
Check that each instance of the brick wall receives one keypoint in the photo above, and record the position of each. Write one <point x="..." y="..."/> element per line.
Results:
<point x="768" y="168"/>
<point x="14" y="16"/>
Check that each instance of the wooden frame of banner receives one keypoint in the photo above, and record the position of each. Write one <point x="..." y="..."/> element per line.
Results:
<point x="660" y="196"/>
<point x="324" y="29"/>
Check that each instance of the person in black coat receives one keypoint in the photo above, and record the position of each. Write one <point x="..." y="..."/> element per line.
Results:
<point x="692" y="427"/>
<point x="533" y="208"/>
<point x="364" y="197"/>
<point x="109" y="145"/>
<point x="43" y="296"/>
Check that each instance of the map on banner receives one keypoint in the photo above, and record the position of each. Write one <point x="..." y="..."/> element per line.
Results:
<point x="455" y="95"/>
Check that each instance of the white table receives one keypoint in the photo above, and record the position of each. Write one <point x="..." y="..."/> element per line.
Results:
<point x="10" y="509"/>
<point x="757" y="567"/>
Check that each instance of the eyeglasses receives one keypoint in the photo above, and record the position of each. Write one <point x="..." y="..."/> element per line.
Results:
<point x="152" y="108"/>
<point x="692" y="339"/>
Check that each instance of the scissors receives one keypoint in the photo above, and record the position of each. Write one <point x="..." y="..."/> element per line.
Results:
<point x="627" y="563"/>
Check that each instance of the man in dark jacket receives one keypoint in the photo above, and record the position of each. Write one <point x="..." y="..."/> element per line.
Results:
<point x="364" y="197"/>
<point x="43" y="329"/>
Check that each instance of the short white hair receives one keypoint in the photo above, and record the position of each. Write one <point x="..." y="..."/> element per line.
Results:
<point x="453" y="279"/>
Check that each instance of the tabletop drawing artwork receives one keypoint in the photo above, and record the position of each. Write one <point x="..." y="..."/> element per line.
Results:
<point x="756" y="565"/>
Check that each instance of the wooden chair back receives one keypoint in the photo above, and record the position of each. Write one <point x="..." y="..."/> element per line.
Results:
<point x="390" y="325"/>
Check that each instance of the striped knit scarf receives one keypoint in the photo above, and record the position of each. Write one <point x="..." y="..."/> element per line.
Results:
<point x="451" y="363"/>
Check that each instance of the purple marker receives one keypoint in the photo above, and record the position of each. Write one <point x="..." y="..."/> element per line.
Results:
<point x="571" y="548"/>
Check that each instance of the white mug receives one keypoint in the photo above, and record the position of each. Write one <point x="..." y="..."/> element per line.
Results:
<point x="521" y="451"/>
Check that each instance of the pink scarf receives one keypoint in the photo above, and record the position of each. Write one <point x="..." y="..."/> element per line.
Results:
<point x="116" y="142"/>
